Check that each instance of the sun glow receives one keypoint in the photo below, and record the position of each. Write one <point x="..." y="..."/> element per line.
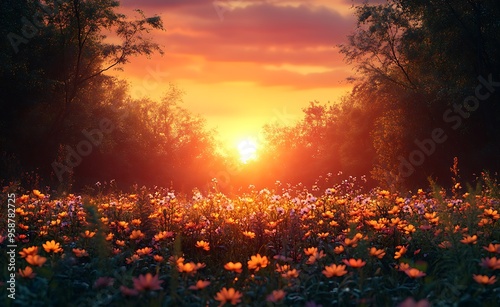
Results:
<point x="247" y="149"/>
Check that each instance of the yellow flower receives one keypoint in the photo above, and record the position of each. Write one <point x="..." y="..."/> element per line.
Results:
<point x="200" y="284"/>
<point x="52" y="246"/>
<point x="235" y="267"/>
<point x="334" y="270"/>
<point x="27" y="273"/>
<point x="249" y="234"/>
<point x="204" y="245"/>
<point x="484" y="280"/>
<point x="147" y="282"/>
<point x="230" y="296"/>
<point x="256" y="262"/>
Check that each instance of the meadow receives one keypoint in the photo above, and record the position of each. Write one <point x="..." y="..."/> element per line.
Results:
<point x="332" y="244"/>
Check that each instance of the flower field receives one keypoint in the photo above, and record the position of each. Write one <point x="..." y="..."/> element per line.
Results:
<point x="283" y="246"/>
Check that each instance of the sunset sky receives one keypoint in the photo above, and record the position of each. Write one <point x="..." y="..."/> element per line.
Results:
<point x="242" y="64"/>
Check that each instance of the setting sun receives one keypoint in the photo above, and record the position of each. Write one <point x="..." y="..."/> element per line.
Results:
<point x="247" y="149"/>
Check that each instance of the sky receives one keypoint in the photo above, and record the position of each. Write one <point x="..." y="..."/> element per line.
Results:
<point x="245" y="63"/>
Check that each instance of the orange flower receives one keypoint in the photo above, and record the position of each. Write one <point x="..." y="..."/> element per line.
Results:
<point x="204" y="245"/>
<point x="414" y="273"/>
<point x="110" y="236"/>
<point x="334" y="270"/>
<point x="230" y="296"/>
<point x="378" y="253"/>
<point x="445" y="244"/>
<point x="290" y="274"/>
<point x="493" y="214"/>
<point x="484" y="280"/>
<point x="33" y="250"/>
<point x="310" y="251"/>
<point x="249" y="234"/>
<point x="351" y="242"/>
<point x="256" y="262"/>
<point x="490" y="263"/>
<point x="35" y="260"/>
<point x="136" y="222"/>
<point x="136" y="235"/>
<point x="493" y="248"/>
<point x="354" y="263"/>
<point x="316" y="256"/>
<point x="190" y="267"/>
<point x="133" y="258"/>
<point x="144" y="251"/>
<point x="163" y="235"/>
<point x="158" y="258"/>
<point x="339" y="249"/>
<point x="276" y="296"/>
<point x="88" y="234"/>
<point x="120" y="242"/>
<point x="200" y="284"/>
<point x="27" y="273"/>
<point x="323" y="235"/>
<point x="128" y="292"/>
<point x="52" y="246"/>
<point x="403" y="266"/>
<point x="235" y="267"/>
<point x="469" y="239"/>
<point x="147" y="282"/>
<point x="402" y="250"/>
<point x="80" y="252"/>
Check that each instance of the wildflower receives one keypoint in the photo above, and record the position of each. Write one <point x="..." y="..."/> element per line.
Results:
<point x="33" y="250"/>
<point x="378" y="253"/>
<point x="120" y="243"/>
<point x="323" y="235"/>
<point x="88" y="234"/>
<point x="293" y="273"/>
<point x="484" y="280"/>
<point x="403" y="267"/>
<point x="147" y="282"/>
<point x="52" y="246"/>
<point x="256" y="262"/>
<point x="316" y="256"/>
<point x="351" y="242"/>
<point x="402" y="250"/>
<point x="163" y="235"/>
<point x="200" y="284"/>
<point x="414" y="273"/>
<point x="310" y="251"/>
<point x="110" y="236"/>
<point x="445" y="244"/>
<point x="490" y="263"/>
<point x="38" y="194"/>
<point x="36" y="260"/>
<point x="276" y="296"/>
<point x="136" y="235"/>
<point x="235" y="267"/>
<point x="249" y="234"/>
<point x="80" y="252"/>
<point x="134" y="258"/>
<point x="144" y="251"/>
<point x="230" y="296"/>
<point x="334" y="270"/>
<point x="409" y="229"/>
<point x="204" y="245"/>
<point x="469" y="239"/>
<point x="354" y="263"/>
<point x="27" y="273"/>
<point x="493" y="248"/>
<point x="128" y="292"/>
<point x="493" y="214"/>
<point x="190" y="267"/>
<point x="103" y="282"/>
<point x="158" y="258"/>
<point x="339" y="249"/>
<point x="136" y="222"/>
<point x="394" y="210"/>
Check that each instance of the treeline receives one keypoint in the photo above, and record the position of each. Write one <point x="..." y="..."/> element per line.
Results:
<point x="426" y="90"/>
<point x="65" y="119"/>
